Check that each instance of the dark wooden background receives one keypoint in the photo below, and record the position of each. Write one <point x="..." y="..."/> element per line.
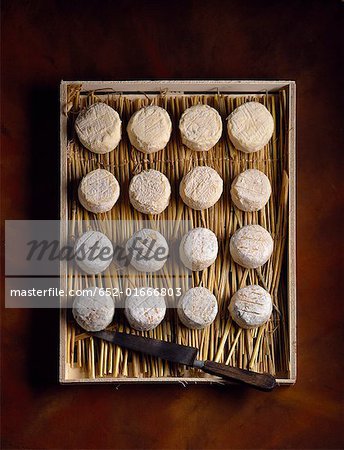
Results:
<point x="45" y="41"/>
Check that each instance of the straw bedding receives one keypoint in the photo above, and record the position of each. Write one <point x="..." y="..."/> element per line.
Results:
<point x="265" y="349"/>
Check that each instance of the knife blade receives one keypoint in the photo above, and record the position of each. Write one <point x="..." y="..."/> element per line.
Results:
<point x="183" y="354"/>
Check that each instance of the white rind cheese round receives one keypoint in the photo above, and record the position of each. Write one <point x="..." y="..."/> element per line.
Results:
<point x="197" y="308"/>
<point x="251" y="306"/>
<point x="201" y="188"/>
<point x="198" y="249"/>
<point x="145" y="310"/>
<point x="149" y="129"/>
<point x="93" y="311"/>
<point x="250" y="127"/>
<point x="251" y="190"/>
<point x="98" y="191"/>
<point x="200" y="127"/>
<point x="148" y="250"/>
<point x="150" y="192"/>
<point x="251" y="246"/>
<point x="93" y="252"/>
<point x="99" y="128"/>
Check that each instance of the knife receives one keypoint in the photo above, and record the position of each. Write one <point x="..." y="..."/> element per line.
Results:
<point x="183" y="354"/>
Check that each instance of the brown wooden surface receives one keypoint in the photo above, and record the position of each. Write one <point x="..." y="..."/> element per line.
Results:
<point x="44" y="41"/>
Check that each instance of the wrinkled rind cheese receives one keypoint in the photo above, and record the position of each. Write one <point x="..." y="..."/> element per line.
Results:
<point x="93" y="252"/>
<point x="251" y="190"/>
<point x="98" y="191"/>
<point x="200" y="127"/>
<point x="145" y="311"/>
<point x="150" y="192"/>
<point x="148" y="250"/>
<point x="201" y="188"/>
<point x="149" y="129"/>
<point x="198" y="249"/>
<point x="197" y="308"/>
<point x="251" y="306"/>
<point x="99" y="128"/>
<point x="250" y="127"/>
<point x="251" y="246"/>
<point x="95" y="311"/>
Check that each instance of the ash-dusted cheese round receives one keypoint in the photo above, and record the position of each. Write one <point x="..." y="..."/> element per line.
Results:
<point x="149" y="129"/>
<point x="201" y="188"/>
<point x="251" y="190"/>
<point x="93" y="252"/>
<point x="198" y="249"/>
<point x="251" y="246"/>
<point x="250" y="127"/>
<point x="94" y="310"/>
<point x="98" y="191"/>
<point x="147" y="250"/>
<point x="251" y="306"/>
<point x="197" y="308"/>
<point x="150" y="192"/>
<point x="144" y="310"/>
<point x="200" y="127"/>
<point x="99" y="128"/>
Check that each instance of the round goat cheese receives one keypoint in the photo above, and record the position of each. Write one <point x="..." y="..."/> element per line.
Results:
<point x="93" y="310"/>
<point x="149" y="129"/>
<point x="251" y="246"/>
<point x="197" y="308"/>
<point x="144" y="310"/>
<point x="93" y="252"/>
<point x="250" y="127"/>
<point x="98" y="191"/>
<point x="150" y="192"/>
<point x="251" y="306"/>
<point x="198" y="249"/>
<point x="201" y="188"/>
<point x="251" y="190"/>
<point x="99" y="128"/>
<point x="200" y="127"/>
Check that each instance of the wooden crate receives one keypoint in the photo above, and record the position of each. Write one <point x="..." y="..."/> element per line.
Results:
<point x="229" y="92"/>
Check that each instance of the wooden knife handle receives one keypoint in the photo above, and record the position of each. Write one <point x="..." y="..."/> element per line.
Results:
<point x="262" y="381"/>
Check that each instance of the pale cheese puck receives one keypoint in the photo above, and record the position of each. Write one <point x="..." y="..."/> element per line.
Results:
<point x="251" y="246"/>
<point x="251" y="306"/>
<point x="251" y="190"/>
<point x="200" y="127"/>
<point x="99" y="128"/>
<point x="198" y="249"/>
<point x="149" y="129"/>
<point x="197" y="308"/>
<point x="144" y="310"/>
<point x="94" y="310"/>
<point x="201" y="188"/>
<point x="98" y="191"/>
<point x="150" y="192"/>
<point x="250" y="127"/>
<point x="93" y="252"/>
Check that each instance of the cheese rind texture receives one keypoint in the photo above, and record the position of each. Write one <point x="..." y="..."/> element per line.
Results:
<point x="251" y="246"/>
<point x="201" y="188"/>
<point x="200" y="127"/>
<point x="93" y="252"/>
<point x="250" y="127"/>
<point x="99" y="128"/>
<point x="198" y="249"/>
<point x="197" y="308"/>
<point x="149" y="129"/>
<point x="145" y="311"/>
<point x="148" y="250"/>
<point x="98" y="191"/>
<point x="251" y="306"/>
<point x="251" y="190"/>
<point x="93" y="311"/>
<point x="150" y="192"/>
